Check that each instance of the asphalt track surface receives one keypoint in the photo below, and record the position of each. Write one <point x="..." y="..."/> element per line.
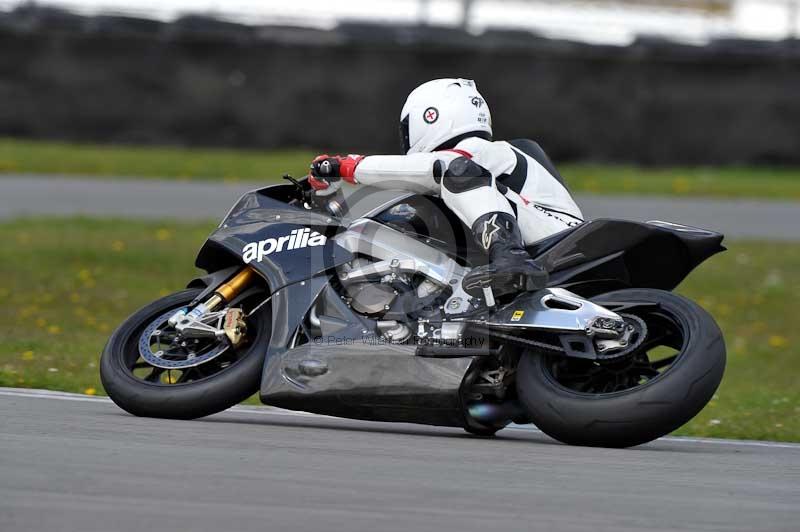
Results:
<point x="78" y="463"/>
<point x="61" y="196"/>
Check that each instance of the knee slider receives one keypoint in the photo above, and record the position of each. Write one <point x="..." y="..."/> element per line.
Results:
<point x="464" y="174"/>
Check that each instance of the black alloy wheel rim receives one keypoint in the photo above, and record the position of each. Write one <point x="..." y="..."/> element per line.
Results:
<point x="660" y="351"/>
<point x="138" y="368"/>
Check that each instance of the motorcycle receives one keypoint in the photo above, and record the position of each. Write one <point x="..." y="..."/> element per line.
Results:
<point x="329" y="306"/>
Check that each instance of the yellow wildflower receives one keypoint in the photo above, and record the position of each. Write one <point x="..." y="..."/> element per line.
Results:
<point x="680" y="185"/>
<point x="26" y="312"/>
<point x="777" y="341"/>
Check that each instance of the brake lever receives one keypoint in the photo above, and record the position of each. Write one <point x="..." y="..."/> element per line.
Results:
<point x="295" y="182"/>
<point x="306" y="196"/>
<point x="332" y="205"/>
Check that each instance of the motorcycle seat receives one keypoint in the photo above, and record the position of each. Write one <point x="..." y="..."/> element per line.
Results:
<point x="541" y="246"/>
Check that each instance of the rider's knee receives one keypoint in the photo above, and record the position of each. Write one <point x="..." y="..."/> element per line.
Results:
<point x="463" y="174"/>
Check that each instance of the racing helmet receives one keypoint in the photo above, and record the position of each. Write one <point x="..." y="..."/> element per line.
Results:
<point x="439" y="114"/>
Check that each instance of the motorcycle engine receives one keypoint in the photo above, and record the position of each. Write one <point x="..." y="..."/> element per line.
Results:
<point x="375" y="295"/>
<point x="398" y="279"/>
<point x="371" y="299"/>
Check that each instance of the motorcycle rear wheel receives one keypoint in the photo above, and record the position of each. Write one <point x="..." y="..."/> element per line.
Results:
<point x="143" y="390"/>
<point x="636" y="400"/>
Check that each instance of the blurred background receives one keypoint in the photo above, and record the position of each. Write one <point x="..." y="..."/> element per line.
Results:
<point x="650" y="82"/>
<point x="127" y="127"/>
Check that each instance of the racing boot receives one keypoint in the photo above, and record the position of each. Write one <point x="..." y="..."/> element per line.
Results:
<point x="511" y="269"/>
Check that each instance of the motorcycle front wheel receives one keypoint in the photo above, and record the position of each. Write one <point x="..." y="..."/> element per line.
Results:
<point x="661" y="385"/>
<point x="224" y="376"/>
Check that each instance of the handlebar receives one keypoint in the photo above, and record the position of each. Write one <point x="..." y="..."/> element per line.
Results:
<point x="332" y="204"/>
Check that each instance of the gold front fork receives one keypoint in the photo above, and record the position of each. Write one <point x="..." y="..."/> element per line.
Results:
<point x="233" y="324"/>
<point x="230" y="289"/>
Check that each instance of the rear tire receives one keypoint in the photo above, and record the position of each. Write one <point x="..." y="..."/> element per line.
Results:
<point x="644" y="412"/>
<point x="189" y="400"/>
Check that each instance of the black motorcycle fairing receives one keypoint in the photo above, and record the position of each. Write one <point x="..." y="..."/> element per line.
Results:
<point x="347" y="371"/>
<point x="290" y="305"/>
<point x="258" y="216"/>
<point x="351" y="380"/>
<point x="274" y="198"/>
<point x="539" y="247"/>
<point x="606" y="254"/>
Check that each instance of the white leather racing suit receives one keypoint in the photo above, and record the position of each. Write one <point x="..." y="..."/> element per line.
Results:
<point x="520" y="181"/>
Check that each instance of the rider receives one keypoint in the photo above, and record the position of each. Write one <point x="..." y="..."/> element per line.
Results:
<point x="508" y="193"/>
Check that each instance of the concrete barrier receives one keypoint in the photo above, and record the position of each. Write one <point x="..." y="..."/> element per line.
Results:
<point x="200" y="81"/>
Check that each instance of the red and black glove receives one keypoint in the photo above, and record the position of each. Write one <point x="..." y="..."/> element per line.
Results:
<point x="327" y="171"/>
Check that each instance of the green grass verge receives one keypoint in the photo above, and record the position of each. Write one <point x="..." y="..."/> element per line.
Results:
<point x="18" y="156"/>
<point x="185" y="164"/>
<point x="66" y="283"/>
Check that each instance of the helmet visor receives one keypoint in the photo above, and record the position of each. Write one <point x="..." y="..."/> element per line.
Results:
<point x="404" y="138"/>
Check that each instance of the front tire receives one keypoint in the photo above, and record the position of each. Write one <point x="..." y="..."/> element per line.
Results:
<point x="204" y="394"/>
<point x="579" y="409"/>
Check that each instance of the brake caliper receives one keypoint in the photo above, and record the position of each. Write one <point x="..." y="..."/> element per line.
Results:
<point x="234" y="326"/>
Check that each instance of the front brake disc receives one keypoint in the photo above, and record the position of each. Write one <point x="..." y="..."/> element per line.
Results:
<point x="178" y="354"/>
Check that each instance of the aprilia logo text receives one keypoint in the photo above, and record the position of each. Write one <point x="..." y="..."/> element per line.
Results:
<point x="299" y="238"/>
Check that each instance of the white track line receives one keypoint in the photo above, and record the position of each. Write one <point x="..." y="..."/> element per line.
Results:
<point x="272" y="411"/>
